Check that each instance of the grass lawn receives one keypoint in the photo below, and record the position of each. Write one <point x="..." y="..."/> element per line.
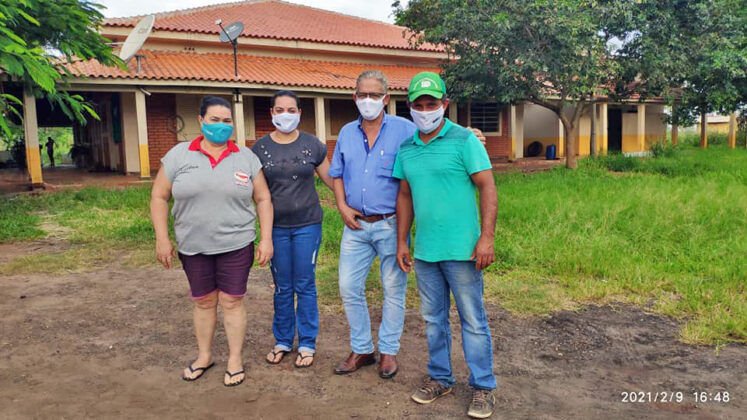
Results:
<point x="668" y="233"/>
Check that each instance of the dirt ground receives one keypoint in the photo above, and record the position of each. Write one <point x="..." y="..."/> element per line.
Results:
<point x="112" y="344"/>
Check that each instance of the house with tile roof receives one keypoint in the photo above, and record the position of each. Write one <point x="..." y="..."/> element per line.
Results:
<point x="153" y="105"/>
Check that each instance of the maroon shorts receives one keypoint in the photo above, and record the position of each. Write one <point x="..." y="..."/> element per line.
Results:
<point x="227" y="272"/>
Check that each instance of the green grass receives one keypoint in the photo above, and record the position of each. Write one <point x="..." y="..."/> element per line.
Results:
<point x="668" y="233"/>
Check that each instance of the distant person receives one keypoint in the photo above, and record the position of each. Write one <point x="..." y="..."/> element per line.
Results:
<point x="50" y="151"/>
<point x="215" y="185"/>
<point x="440" y="169"/>
<point x="290" y="158"/>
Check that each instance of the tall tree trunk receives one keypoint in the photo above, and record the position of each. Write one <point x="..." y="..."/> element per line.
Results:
<point x="571" y="161"/>
<point x="703" y="131"/>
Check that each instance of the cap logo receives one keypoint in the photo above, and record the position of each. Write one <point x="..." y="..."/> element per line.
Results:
<point x="425" y="83"/>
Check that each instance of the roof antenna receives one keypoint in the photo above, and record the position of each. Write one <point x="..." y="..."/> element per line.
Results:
<point x="135" y="41"/>
<point x="230" y="34"/>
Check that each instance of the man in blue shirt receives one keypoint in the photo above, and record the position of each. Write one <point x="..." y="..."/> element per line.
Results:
<point x="366" y="195"/>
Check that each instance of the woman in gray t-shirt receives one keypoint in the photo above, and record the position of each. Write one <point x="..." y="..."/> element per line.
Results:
<point x="290" y="158"/>
<point x="219" y="191"/>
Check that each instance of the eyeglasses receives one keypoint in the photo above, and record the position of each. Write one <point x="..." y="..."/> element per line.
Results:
<point x="373" y="95"/>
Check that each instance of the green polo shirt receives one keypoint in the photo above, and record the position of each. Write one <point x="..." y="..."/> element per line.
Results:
<point x="443" y="194"/>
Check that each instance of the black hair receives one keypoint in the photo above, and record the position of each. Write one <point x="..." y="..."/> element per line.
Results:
<point x="209" y="101"/>
<point x="284" y="93"/>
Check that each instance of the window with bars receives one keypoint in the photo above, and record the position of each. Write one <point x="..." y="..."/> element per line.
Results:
<point x="486" y="116"/>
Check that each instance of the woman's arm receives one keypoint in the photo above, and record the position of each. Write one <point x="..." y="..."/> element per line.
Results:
<point x="323" y="171"/>
<point x="263" y="201"/>
<point x="159" y="215"/>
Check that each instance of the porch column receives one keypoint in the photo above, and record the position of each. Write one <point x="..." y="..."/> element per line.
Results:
<point x="251" y="125"/>
<point x="321" y="120"/>
<point x="517" y="132"/>
<point x="603" y="137"/>
<point x="454" y="112"/>
<point x="392" y="107"/>
<point x="733" y="130"/>
<point x="641" y="128"/>
<point x="675" y="128"/>
<point x="561" y="139"/>
<point x="238" y="119"/>
<point x="31" y="134"/>
<point x="142" y="133"/>
<point x="703" y="131"/>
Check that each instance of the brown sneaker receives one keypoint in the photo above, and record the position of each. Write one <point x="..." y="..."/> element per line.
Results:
<point x="430" y="391"/>
<point x="482" y="405"/>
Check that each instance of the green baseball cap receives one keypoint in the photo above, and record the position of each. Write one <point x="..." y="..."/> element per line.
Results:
<point x="426" y="83"/>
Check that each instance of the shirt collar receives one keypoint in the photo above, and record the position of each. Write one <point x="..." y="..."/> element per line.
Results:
<point x="196" y="146"/>
<point x="383" y="120"/>
<point x="447" y="125"/>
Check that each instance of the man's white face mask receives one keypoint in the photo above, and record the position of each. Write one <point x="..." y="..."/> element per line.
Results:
<point x="370" y="108"/>
<point x="427" y="121"/>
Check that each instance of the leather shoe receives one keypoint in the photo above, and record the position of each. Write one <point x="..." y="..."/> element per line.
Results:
<point x="354" y="362"/>
<point x="388" y="366"/>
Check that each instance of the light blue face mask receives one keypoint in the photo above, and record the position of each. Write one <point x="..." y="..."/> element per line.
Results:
<point x="217" y="133"/>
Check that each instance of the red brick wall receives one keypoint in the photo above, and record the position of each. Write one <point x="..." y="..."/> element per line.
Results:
<point x="331" y="148"/>
<point x="161" y="117"/>
<point x="500" y="146"/>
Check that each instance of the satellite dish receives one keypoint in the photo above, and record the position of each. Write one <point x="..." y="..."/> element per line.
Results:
<point x="231" y="32"/>
<point x="136" y="38"/>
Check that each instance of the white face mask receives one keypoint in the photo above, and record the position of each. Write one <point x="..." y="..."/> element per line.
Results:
<point x="286" y="122"/>
<point x="369" y="108"/>
<point x="427" y="121"/>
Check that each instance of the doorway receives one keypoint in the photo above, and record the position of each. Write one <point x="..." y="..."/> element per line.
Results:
<point x="614" y="130"/>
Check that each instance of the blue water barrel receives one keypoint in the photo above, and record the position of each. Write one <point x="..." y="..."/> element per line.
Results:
<point x="550" y="152"/>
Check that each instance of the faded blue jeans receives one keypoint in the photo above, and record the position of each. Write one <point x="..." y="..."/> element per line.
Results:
<point x="357" y="252"/>
<point x="294" y="272"/>
<point x="435" y="280"/>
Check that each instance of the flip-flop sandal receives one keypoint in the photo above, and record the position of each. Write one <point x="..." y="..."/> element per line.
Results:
<point x="299" y="366"/>
<point x="202" y="371"/>
<point x="231" y="375"/>
<point x="274" y="355"/>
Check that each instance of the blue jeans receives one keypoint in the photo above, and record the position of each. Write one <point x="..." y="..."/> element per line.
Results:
<point x="465" y="282"/>
<point x="293" y="269"/>
<point x="357" y="252"/>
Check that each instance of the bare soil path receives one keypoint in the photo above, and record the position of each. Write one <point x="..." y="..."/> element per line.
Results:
<point x="112" y="343"/>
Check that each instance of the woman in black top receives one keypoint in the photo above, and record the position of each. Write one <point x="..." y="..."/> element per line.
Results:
<point x="289" y="159"/>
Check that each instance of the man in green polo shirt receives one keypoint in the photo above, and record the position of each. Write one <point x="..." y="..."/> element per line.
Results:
<point x="440" y="168"/>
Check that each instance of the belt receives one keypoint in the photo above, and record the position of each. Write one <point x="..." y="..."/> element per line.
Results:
<point x="374" y="217"/>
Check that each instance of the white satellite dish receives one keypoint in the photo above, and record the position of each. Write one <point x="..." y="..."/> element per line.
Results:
<point x="136" y="38"/>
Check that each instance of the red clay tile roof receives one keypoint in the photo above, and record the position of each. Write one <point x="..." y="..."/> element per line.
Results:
<point x="285" y="21"/>
<point x="177" y="65"/>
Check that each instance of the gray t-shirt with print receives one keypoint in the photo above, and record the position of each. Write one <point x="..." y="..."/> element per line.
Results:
<point x="213" y="208"/>
<point x="289" y="170"/>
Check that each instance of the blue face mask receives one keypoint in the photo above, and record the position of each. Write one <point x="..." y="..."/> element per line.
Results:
<point x="217" y="133"/>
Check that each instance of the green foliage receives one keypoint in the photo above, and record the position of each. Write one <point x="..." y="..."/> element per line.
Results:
<point x="33" y="31"/>
<point x="554" y="53"/>
<point x="693" y="52"/>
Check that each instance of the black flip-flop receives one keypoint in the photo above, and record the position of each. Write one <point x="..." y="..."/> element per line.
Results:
<point x="231" y="375"/>
<point x="202" y="371"/>
<point x="274" y="355"/>
<point x="295" y="363"/>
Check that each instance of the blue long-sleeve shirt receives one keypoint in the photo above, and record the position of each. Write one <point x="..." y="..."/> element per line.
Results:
<point x="367" y="174"/>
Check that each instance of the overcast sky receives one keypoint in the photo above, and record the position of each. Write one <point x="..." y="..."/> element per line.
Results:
<point x="370" y="9"/>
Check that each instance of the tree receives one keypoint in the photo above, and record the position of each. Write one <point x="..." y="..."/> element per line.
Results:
<point x="554" y="53"/>
<point x="37" y="37"/>
<point x="692" y="52"/>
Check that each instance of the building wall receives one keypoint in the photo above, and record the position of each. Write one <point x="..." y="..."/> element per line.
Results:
<point x="655" y="128"/>
<point x="161" y="111"/>
<point x="499" y="146"/>
<point x="540" y="124"/>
